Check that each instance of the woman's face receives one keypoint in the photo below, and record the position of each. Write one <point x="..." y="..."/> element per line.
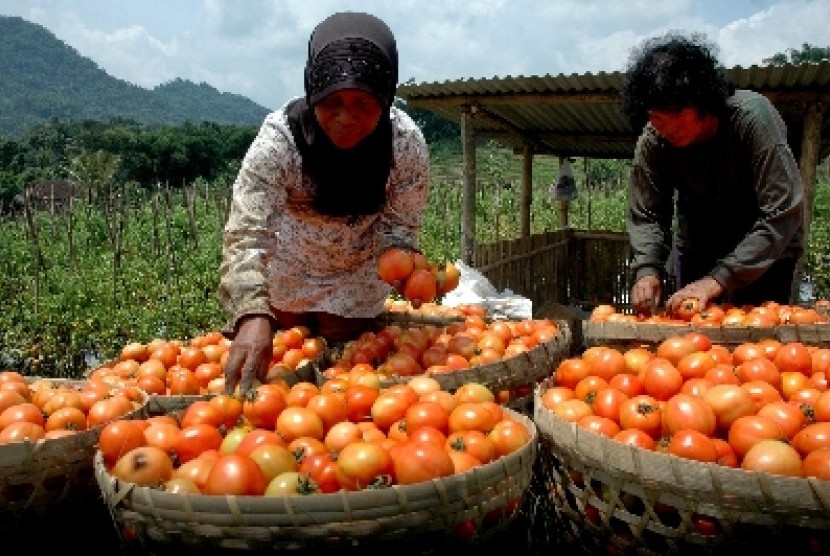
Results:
<point x="347" y="116"/>
<point x="683" y="127"/>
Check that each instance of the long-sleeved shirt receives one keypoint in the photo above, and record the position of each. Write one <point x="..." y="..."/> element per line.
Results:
<point x="739" y="196"/>
<point x="279" y="253"/>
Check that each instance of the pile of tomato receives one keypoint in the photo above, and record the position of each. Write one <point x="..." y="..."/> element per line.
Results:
<point x="347" y="434"/>
<point x="44" y="409"/>
<point x="762" y="406"/>
<point x="769" y="313"/>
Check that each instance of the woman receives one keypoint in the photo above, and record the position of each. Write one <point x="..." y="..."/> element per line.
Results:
<point x="331" y="181"/>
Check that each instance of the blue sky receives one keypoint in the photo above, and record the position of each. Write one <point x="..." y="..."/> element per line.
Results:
<point x="257" y="48"/>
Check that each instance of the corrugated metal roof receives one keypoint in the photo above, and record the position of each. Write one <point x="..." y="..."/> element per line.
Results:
<point x="579" y="115"/>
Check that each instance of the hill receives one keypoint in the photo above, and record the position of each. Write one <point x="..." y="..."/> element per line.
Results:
<point x="44" y="78"/>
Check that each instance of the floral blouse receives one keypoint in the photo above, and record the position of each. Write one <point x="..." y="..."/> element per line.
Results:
<point x="278" y="253"/>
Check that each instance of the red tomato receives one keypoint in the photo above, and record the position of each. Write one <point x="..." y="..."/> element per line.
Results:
<point x="789" y="416"/>
<point x="587" y="388"/>
<point x="359" y="400"/>
<point x="692" y="444"/>
<point x="607" y="402"/>
<point x="273" y="459"/>
<point x="427" y="433"/>
<point x="235" y="474"/>
<point x="627" y="383"/>
<point x="144" y="466"/>
<point x="108" y="409"/>
<point x="696" y="386"/>
<point x="635" y="437"/>
<point x="811" y="437"/>
<point x="599" y="425"/>
<point x="322" y="469"/>
<point x="748" y="430"/>
<point x="261" y="407"/>
<point x="817" y="464"/>
<point x="759" y="368"/>
<point x="794" y="356"/>
<point x="255" y="437"/>
<point x="331" y="408"/>
<point x="726" y="454"/>
<point x="570" y="371"/>
<point x="471" y="416"/>
<point x="773" y="456"/>
<point x="695" y="364"/>
<point x="21" y="431"/>
<point x="418" y="461"/>
<point x="463" y="461"/>
<point x="722" y="373"/>
<point x="608" y="363"/>
<point x="699" y="340"/>
<point x="297" y="422"/>
<point x="661" y="379"/>
<point x="674" y="348"/>
<point x="762" y="392"/>
<point x="195" y="439"/>
<point x="555" y="394"/>
<point x="684" y="411"/>
<point x="119" y="437"/>
<point x="572" y="410"/>
<point x="475" y="442"/>
<point x="363" y="464"/>
<point x="642" y="412"/>
<point x="728" y="402"/>
<point x="427" y="413"/>
<point x="230" y="407"/>
<point x="201" y="411"/>
<point x="508" y="436"/>
<point x="388" y="408"/>
<point x="26" y="411"/>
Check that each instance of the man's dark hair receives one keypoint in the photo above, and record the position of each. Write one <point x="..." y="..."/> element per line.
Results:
<point x="672" y="72"/>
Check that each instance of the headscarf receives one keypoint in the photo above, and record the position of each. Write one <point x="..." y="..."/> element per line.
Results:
<point x="347" y="50"/>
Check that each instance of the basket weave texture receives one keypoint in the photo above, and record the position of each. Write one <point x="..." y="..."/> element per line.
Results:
<point x="610" y="496"/>
<point x="34" y="476"/>
<point x="425" y="513"/>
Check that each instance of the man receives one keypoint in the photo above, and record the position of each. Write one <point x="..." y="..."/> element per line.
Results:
<point x="717" y="157"/>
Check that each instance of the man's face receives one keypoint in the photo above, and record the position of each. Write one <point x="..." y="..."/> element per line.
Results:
<point x="682" y="127"/>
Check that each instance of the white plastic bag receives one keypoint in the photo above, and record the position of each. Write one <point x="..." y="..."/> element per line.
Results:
<point x="475" y="288"/>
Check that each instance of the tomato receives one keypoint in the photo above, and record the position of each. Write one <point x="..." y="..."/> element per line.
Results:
<point x="273" y="459"/>
<point x="627" y="383"/>
<point x="728" y="402"/>
<point x="473" y="392"/>
<point x="773" y="456"/>
<point x="420" y="287"/>
<point x="395" y="265"/>
<point x="811" y="437"/>
<point x="635" y="359"/>
<point x="388" y="408"/>
<point x="254" y="437"/>
<point x="182" y="382"/>
<point x="296" y="422"/>
<point x="330" y="407"/>
<point x="699" y="340"/>
<point x="762" y="392"/>
<point x="606" y="403"/>
<point x="661" y="379"/>
<point x="674" y="348"/>
<point x="688" y="308"/>
<point x="635" y="437"/>
<point x="554" y="395"/>
<point x="696" y="386"/>
<point x="722" y="373"/>
<point x="20" y="431"/>
<point x="119" y="437"/>
<point x="508" y="436"/>
<point x="427" y="413"/>
<point x="821" y="408"/>
<point x="794" y="356"/>
<point x="26" y="411"/>
<point x="477" y="443"/>
<point x="66" y="418"/>
<point x="9" y="398"/>
<point x="197" y="469"/>
<point x="304" y="446"/>
<point x="362" y="464"/>
<point x="599" y="425"/>
<point x="817" y="464"/>
<point x="759" y="368"/>
<point x="261" y="407"/>
<point x="642" y="412"/>
<point x="235" y="474"/>
<point x="144" y="466"/>
<point x="341" y="434"/>
<point x="230" y="409"/>
<point x="608" y="363"/>
<point x="291" y="483"/>
<point x="745" y="352"/>
<point x="322" y="469"/>
<point x="570" y="371"/>
<point x="108" y="409"/>
<point x="695" y="365"/>
<point x="587" y="388"/>
<point x="162" y="435"/>
<point x="726" y="454"/>
<point x="463" y="461"/>
<point x="748" y="430"/>
<point x="418" y="461"/>
<point x="195" y="439"/>
<point x="692" y="444"/>
<point x="201" y="411"/>
<point x="684" y="411"/>
<point x="789" y="416"/>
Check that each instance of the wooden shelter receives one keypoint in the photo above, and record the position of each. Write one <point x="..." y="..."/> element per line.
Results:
<point x="579" y="115"/>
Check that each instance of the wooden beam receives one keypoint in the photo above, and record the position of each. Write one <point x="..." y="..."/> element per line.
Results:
<point x="527" y="191"/>
<point x="468" y="222"/>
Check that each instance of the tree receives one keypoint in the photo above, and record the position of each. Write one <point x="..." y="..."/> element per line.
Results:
<point x="808" y="53"/>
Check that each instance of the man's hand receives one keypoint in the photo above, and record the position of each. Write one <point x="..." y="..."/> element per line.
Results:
<point x="249" y="354"/>
<point x="704" y="290"/>
<point x="646" y="293"/>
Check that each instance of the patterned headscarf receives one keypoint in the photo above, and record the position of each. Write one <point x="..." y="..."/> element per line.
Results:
<point x="348" y="50"/>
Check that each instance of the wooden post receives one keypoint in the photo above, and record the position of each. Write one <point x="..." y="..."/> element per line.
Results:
<point x="564" y="205"/>
<point x="810" y="139"/>
<point x="527" y="191"/>
<point x="468" y="148"/>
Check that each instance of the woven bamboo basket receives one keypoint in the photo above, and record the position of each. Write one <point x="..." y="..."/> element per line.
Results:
<point x="610" y="497"/>
<point x="623" y="334"/>
<point x="420" y="514"/>
<point x="36" y="476"/>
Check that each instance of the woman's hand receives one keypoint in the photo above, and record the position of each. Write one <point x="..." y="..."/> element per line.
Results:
<point x="704" y="290"/>
<point x="645" y="294"/>
<point x="250" y="353"/>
